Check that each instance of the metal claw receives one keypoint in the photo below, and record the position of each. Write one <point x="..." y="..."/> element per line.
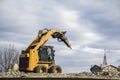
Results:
<point x="62" y="38"/>
<point x="65" y="40"/>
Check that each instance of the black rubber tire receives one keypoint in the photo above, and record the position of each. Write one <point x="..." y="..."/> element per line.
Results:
<point x="55" y="69"/>
<point x="40" y="69"/>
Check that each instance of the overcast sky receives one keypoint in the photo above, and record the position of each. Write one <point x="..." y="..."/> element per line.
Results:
<point x="91" y="25"/>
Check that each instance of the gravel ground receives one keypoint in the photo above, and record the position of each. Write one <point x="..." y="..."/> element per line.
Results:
<point x="16" y="74"/>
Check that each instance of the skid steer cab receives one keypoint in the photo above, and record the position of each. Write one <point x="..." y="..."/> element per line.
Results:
<point x="38" y="57"/>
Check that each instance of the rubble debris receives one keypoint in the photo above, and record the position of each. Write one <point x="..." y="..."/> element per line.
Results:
<point x="108" y="70"/>
<point x="17" y="74"/>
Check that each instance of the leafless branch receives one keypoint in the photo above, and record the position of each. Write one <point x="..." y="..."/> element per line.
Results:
<point x="8" y="56"/>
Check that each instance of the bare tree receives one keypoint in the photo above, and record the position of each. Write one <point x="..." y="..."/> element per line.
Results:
<point x="8" y="57"/>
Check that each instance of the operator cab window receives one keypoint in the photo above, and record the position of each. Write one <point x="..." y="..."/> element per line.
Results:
<point x="46" y="54"/>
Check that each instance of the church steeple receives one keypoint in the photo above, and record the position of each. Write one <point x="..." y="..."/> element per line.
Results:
<point x="104" y="58"/>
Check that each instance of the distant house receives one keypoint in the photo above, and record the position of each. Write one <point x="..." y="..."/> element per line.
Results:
<point x="96" y="69"/>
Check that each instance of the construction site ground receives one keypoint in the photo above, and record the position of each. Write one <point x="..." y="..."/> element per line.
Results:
<point x="53" y="76"/>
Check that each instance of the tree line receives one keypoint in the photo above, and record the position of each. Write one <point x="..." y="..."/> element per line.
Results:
<point x="8" y="57"/>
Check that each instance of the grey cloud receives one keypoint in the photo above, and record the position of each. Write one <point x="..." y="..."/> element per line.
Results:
<point x="91" y="24"/>
<point x="102" y="13"/>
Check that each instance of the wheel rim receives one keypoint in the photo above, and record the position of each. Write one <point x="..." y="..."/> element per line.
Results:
<point x="43" y="70"/>
<point x="56" y="71"/>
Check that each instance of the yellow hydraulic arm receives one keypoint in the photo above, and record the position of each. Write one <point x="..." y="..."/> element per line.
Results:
<point x="43" y="37"/>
